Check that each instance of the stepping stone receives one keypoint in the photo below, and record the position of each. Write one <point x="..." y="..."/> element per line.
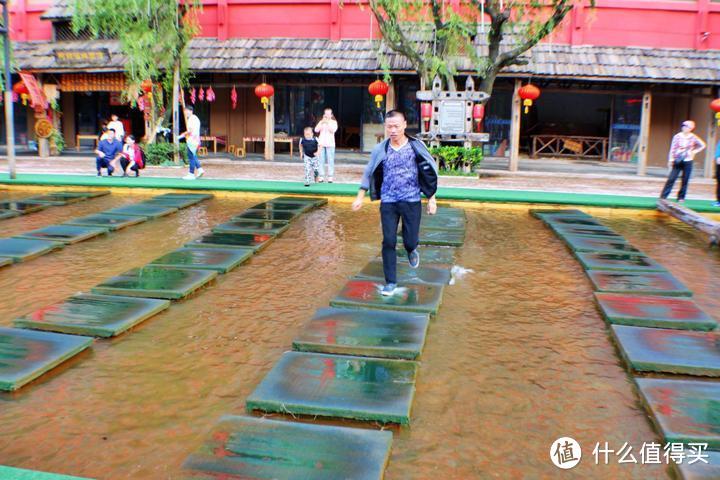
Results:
<point x="598" y="245"/>
<point x="549" y="213"/>
<point x="419" y="298"/>
<point x="316" y="201"/>
<point x="669" y="351"/>
<point x="577" y="220"/>
<point x="142" y="210"/>
<point x="283" y="206"/>
<point x="23" y="206"/>
<point x="649" y="283"/>
<point x="445" y="238"/>
<point x="66" y="234"/>
<point x="93" y="315"/>
<point x="5" y="261"/>
<point x="85" y="195"/>
<point x="259" y="448"/>
<point x="341" y="386"/>
<point x="198" y="196"/>
<point x="10" y="473"/>
<point x="8" y="214"/>
<point x="698" y="470"/>
<point x="683" y="410"/>
<point x="430" y="255"/>
<point x="256" y="241"/>
<point x="219" y="259"/>
<point x="156" y="282"/>
<point x="251" y="226"/>
<point x="176" y="202"/>
<point x="364" y="333"/>
<point x="434" y="222"/>
<point x="654" y="311"/>
<point x="268" y="215"/>
<point x="22" y="249"/>
<point x="584" y="231"/>
<point x="618" y="261"/>
<point x="111" y="222"/>
<point x="55" y="200"/>
<point x="451" y="211"/>
<point x="27" y="354"/>
<point x="405" y="274"/>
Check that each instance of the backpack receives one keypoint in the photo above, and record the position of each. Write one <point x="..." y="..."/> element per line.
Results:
<point x="143" y="159"/>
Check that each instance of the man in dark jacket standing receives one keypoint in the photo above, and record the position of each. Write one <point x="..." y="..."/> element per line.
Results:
<point x="400" y="169"/>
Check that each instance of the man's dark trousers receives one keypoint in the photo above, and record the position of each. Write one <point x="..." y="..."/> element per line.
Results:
<point x="390" y="215"/>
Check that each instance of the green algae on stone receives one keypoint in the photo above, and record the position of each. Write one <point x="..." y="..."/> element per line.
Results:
<point x="11" y="473"/>
<point x="268" y="215"/>
<point x="421" y="298"/>
<point x="258" y="448"/>
<point x="365" y="333"/>
<point x="27" y="354"/>
<point x="579" y="243"/>
<point x="112" y="222"/>
<point x="339" y="386"/>
<point x="156" y="282"/>
<point x="618" y="261"/>
<point x="645" y="283"/>
<point x="256" y="241"/>
<point x="22" y="206"/>
<point x="67" y="234"/>
<point x="654" y="311"/>
<point x="23" y="249"/>
<point x="93" y="315"/>
<point x="142" y="210"/>
<point x="220" y="259"/>
<point x="251" y="226"/>
<point x="405" y="274"/>
<point x="669" y="351"/>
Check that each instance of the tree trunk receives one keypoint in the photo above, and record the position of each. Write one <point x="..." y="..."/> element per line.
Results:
<point x="176" y="113"/>
<point x="487" y="84"/>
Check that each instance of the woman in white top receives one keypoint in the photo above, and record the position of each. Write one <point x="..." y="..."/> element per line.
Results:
<point x="326" y="129"/>
<point x="118" y="126"/>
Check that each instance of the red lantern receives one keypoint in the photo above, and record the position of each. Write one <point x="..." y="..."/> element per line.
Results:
<point x="234" y="98"/>
<point x="379" y="89"/>
<point x="715" y="106"/>
<point x="147" y="87"/>
<point x="426" y="114"/>
<point x="21" y="90"/>
<point x="264" y="92"/>
<point x="478" y="113"/>
<point x="529" y="93"/>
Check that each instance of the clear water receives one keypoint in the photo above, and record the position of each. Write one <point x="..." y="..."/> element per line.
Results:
<point x="517" y="357"/>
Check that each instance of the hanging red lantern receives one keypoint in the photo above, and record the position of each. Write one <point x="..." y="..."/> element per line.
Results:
<point x="378" y="88"/>
<point x="264" y="92"/>
<point x="426" y="114"/>
<point x="715" y="106"/>
<point x="21" y="90"/>
<point x="210" y="94"/>
<point x="234" y="98"/>
<point x="478" y="113"/>
<point x="147" y="87"/>
<point x="529" y="93"/>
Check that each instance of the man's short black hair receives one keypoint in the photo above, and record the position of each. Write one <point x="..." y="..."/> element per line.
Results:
<point x="395" y="113"/>
<point x="189" y="107"/>
<point x="111" y="130"/>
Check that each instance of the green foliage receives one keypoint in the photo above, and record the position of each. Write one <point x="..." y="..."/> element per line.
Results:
<point x="161" y="153"/>
<point x="58" y="140"/>
<point x="457" y="159"/>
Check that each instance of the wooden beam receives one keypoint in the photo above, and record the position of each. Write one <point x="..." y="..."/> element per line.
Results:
<point x="515" y="128"/>
<point x="270" y="130"/>
<point x="644" y="133"/>
<point x="711" y="140"/>
<point x="692" y="218"/>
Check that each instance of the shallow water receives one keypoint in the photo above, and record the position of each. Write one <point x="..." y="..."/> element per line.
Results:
<point x="517" y="357"/>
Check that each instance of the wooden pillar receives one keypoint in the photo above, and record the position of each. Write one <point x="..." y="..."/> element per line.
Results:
<point x="270" y="129"/>
<point x="644" y="133"/>
<point x="390" y="99"/>
<point x="711" y="140"/>
<point x="515" y="128"/>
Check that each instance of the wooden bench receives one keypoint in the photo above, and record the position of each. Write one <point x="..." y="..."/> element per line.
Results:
<point x="80" y="137"/>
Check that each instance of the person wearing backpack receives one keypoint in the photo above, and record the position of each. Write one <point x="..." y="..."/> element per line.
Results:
<point x="132" y="157"/>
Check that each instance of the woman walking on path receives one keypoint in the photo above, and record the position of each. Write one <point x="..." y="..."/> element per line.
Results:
<point x="685" y="145"/>
<point x="326" y="129"/>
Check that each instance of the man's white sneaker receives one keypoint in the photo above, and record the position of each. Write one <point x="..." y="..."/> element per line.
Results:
<point x="189" y="176"/>
<point x="200" y="172"/>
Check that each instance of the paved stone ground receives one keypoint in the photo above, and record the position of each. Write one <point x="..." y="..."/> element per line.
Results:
<point x="569" y="179"/>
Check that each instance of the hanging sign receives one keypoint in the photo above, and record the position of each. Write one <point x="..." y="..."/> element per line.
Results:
<point x="452" y="116"/>
<point x="94" y="56"/>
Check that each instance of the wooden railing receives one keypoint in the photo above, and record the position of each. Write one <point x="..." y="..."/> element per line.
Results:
<point x="569" y="146"/>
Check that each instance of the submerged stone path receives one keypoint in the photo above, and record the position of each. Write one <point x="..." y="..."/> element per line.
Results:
<point x="354" y="360"/>
<point x="25" y="206"/>
<point x="121" y="302"/>
<point x="657" y="329"/>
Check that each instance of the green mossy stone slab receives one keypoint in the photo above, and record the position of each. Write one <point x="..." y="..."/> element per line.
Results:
<point x="653" y="311"/>
<point x="27" y="354"/>
<point x="405" y="274"/>
<point x="684" y="411"/>
<point x="22" y="249"/>
<point x="699" y="470"/>
<point x="364" y="333"/>
<point x="142" y="210"/>
<point x="84" y="194"/>
<point x="434" y="222"/>
<point x="315" y="201"/>
<point x="10" y="473"/>
<point x="339" y="386"/>
<point x="584" y="231"/>
<point x="420" y="298"/>
<point x="440" y="238"/>
<point x="23" y="207"/>
<point x="256" y="241"/>
<point x="66" y="234"/>
<point x="54" y="200"/>
<point x="451" y="212"/>
<point x="219" y="259"/>
<point x="268" y="215"/>
<point x="251" y="226"/>
<point x="283" y="206"/>
<point x="549" y="213"/>
<point x="156" y="282"/>
<point x="643" y="283"/>
<point x="669" y="351"/>
<point x="618" y="261"/>
<point x="599" y="245"/>
<point x="252" y="448"/>
<point x="8" y="214"/>
<point x="5" y="261"/>
<point x="197" y="196"/>
<point x="178" y="203"/>
<point x="111" y="222"/>
<point x="429" y="255"/>
<point x="576" y="220"/>
<point x="93" y="315"/>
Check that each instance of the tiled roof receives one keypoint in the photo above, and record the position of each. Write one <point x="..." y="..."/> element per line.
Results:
<point x="61" y="9"/>
<point x="359" y="56"/>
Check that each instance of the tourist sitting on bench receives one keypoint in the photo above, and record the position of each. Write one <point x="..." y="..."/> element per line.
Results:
<point x="107" y="149"/>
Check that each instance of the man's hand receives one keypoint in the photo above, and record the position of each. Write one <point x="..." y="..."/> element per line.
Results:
<point x="358" y="202"/>
<point x="432" y="206"/>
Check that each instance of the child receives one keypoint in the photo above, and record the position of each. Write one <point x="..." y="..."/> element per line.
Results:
<point x="309" y="151"/>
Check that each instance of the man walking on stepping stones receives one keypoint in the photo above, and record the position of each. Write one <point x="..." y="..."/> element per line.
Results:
<point x="400" y="169"/>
